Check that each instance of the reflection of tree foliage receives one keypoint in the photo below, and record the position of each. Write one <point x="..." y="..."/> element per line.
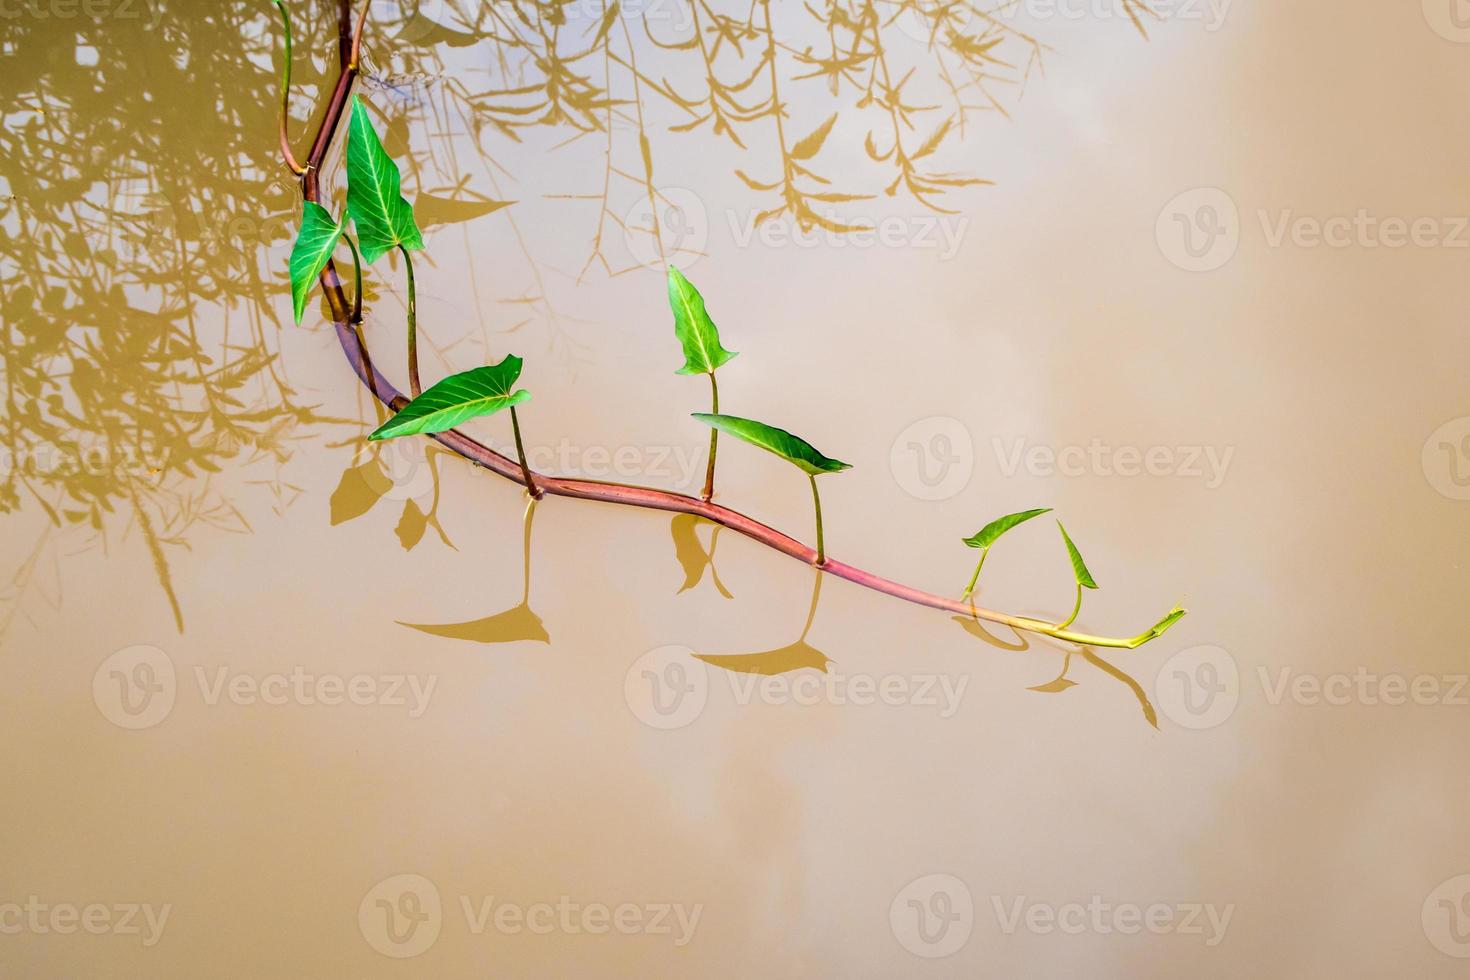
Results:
<point x="142" y="223"/>
<point x="902" y="78"/>
<point x="147" y="218"/>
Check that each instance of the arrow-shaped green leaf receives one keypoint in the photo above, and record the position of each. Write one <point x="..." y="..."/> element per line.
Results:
<point x="1079" y="567"/>
<point x="314" y="244"/>
<point x="694" y="328"/>
<point x="791" y="448"/>
<point x="988" y="535"/>
<point x="456" y="399"/>
<point x="383" y="219"/>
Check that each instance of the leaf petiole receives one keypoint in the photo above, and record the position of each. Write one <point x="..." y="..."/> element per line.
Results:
<point x="1075" y="610"/>
<point x="515" y="425"/>
<point x="414" y="387"/>
<point x="357" y="279"/>
<point x="714" y="440"/>
<point x="817" y="501"/>
<point x="970" y="589"/>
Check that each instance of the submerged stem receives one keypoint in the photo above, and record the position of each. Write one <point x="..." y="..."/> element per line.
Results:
<point x="414" y="387"/>
<point x="526" y="549"/>
<point x="970" y="589"/>
<point x="356" y="278"/>
<point x="286" y="153"/>
<point x="515" y="425"/>
<point x="714" y="441"/>
<point x="817" y="500"/>
<point x="1075" y="610"/>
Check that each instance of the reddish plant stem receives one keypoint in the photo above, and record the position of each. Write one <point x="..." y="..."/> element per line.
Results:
<point x="614" y="493"/>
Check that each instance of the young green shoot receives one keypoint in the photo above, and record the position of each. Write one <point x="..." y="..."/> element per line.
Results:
<point x="989" y="534"/>
<point x="702" y="353"/>
<point x="1080" y="572"/>
<point x="793" y="449"/>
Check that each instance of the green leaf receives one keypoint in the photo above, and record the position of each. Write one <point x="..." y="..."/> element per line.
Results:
<point x="314" y="244"/>
<point x="383" y="219"/>
<point x="988" y="534"/>
<point x="694" y="328"/>
<point x="456" y="399"/>
<point x="791" y="448"/>
<point x="1079" y="567"/>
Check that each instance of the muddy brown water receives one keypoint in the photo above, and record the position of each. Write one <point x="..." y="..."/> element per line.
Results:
<point x="275" y="705"/>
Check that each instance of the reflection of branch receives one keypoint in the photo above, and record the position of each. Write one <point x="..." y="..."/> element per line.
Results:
<point x="1133" y="685"/>
<point x="476" y="452"/>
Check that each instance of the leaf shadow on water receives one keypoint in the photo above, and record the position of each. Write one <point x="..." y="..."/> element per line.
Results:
<point x="800" y="655"/>
<point x="515" y="624"/>
<point x="1062" y="683"/>
<point x="693" y="557"/>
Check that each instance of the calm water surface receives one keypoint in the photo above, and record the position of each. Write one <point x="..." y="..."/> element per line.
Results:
<point x="276" y="703"/>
